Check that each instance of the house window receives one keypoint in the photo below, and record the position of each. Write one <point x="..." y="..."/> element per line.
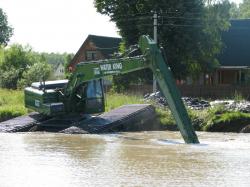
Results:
<point x="91" y="55"/>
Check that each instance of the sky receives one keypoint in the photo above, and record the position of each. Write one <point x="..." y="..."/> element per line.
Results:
<point x="56" y="25"/>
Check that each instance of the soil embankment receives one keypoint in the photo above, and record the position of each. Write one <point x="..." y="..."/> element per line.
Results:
<point x="211" y="116"/>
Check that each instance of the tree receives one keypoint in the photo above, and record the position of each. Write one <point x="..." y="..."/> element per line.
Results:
<point x="215" y="21"/>
<point x="234" y="11"/>
<point x="245" y="9"/>
<point x="14" y="62"/>
<point x="67" y="60"/>
<point x="9" y="79"/>
<point x="5" y="30"/>
<point x="18" y="57"/>
<point x="189" y="31"/>
<point x="37" y="72"/>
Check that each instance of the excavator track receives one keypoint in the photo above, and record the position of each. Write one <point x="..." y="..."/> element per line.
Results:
<point x="22" y="123"/>
<point x="125" y="118"/>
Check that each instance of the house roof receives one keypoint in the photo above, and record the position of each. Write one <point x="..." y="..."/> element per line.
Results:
<point x="237" y="44"/>
<point x="107" y="45"/>
<point x="58" y="64"/>
<point x="234" y="67"/>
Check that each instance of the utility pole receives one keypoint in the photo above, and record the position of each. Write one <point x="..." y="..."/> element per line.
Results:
<point x="155" y="17"/>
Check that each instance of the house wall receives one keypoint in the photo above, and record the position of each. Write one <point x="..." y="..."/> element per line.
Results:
<point x="215" y="91"/>
<point x="59" y="72"/>
<point x="222" y="77"/>
<point x="81" y="54"/>
<point x="228" y="76"/>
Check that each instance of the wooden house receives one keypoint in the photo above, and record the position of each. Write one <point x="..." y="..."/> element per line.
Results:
<point x="233" y="75"/>
<point x="234" y="60"/>
<point x="95" y="48"/>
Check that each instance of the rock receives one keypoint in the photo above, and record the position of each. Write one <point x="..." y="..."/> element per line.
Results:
<point x="74" y="130"/>
<point x="221" y="102"/>
<point x="198" y="104"/>
<point x="190" y="102"/>
<point x="246" y="129"/>
<point x="231" y="105"/>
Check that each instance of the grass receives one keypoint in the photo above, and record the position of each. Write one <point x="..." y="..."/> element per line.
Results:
<point x="164" y="115"/>
<point x="213" y="119"/>
<point x="114" y="100"/>
<point x="11" y="104"/>
<point x="228" y="121"/>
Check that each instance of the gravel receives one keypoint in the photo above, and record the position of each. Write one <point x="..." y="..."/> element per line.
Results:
<point x="193" y="103"/>
<point x="231" y="105"/>
<point x="200" y="104"/>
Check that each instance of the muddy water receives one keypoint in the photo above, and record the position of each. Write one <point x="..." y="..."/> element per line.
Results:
<point x="127" y="159"/>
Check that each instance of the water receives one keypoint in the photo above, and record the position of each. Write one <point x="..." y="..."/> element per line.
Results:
<point x="127" y="159"/>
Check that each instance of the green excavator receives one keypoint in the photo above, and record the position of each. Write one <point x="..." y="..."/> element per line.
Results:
<point x="83" y="92"/>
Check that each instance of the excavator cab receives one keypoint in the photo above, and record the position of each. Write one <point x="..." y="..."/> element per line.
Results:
<point x="48" y="98"/>
<point x="90" y="97"/>
<point x="95" y="97"/>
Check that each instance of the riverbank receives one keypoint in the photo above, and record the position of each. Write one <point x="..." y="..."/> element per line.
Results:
<point x="11" y="104"/>
<point x="218" y="118"/>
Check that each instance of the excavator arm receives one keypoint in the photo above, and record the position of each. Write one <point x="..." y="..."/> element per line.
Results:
<point x="152" y="58"/>
<point x="73" y="96"/>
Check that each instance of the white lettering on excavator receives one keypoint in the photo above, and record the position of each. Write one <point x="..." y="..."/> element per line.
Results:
<point x="110" y="67"/>
<point x="96" y="71"/>
<point x="106" y="67"/>
<point x="37" y="103"/>
<point x="117" y="66"/>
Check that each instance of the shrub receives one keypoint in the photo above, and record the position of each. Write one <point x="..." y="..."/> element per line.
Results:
<point x="227" y="122"/>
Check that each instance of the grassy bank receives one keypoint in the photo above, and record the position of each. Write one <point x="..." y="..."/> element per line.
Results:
<point x="114" y="100"/>
<point x="11" y="104"/>
<point x="215" y="119"/>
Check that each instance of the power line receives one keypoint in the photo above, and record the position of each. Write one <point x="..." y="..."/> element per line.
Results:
<point x="134" y="19"/>
<point x="163" y="17"/>
<point x="136" y="15"/>
<point x="185" y="18"/>
<point x="107" y="48"/>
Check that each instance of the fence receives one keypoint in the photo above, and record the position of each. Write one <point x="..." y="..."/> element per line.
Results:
<point x="216" y="91"/>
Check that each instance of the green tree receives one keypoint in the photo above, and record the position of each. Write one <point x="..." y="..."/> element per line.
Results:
<point x="39" y="71"/>
<point x="55" y="58"/>
<point x="189" y="31"/>
<point x="234" y="11"/>
<point x="245" y="9"/>
<point x="215" y="21"/>
<point x="5" y="30"/>
<point x="18" y="57"/>
<point x="9" y="79"/>
<point x="68" y="58"/>
<point x="14" y="61"/>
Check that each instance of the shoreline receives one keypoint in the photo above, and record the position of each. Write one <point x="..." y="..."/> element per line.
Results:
<point x="239" y="122"/>
<point x="223" y="117"/>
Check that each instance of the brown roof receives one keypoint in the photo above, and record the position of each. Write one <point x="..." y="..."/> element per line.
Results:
<point x="106" y="45"/>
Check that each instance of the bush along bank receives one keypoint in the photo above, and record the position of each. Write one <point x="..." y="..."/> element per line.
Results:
<point x="228" y="122"/>
<point x="214" y="116"/>
<point x="208" y="120"/>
